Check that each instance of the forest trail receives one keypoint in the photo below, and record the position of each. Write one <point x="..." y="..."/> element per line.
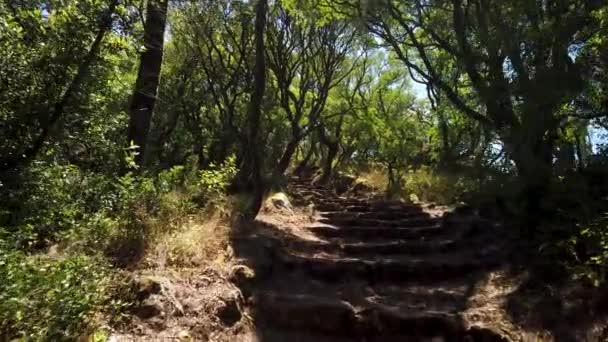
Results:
<point x="371" y="270"/>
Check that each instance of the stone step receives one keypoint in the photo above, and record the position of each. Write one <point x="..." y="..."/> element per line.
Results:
<point x="358" y="201"/>
<point x="372" y="322"/>
<point x="376" y="233"/>
<point x="314" y="195"/>
<point x="355" y="246"/>
<point x="378" y="215"/>
<point x="362" y="207"/>
<point x="397" y="247"/>
<point x="307" y="187"/>
<point x="370" y="222"/>
<point x="350" y="247"/>
<point x="421" y="270"/>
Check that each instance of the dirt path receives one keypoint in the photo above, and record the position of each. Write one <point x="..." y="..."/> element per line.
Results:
<point x="369" y="270"/>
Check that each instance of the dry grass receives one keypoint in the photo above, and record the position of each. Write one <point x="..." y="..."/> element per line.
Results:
<point x="200" y="240"/>
<point x="184" y="236"/>
<point x="375" y="178"/>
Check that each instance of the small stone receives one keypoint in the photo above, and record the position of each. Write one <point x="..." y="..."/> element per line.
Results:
<point x="183" y="335"/>
<point x="279" y="201"/>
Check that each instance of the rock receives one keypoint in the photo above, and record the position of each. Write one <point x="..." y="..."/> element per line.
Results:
<point x="184" y="336"/>
<point x="242" y="276"/>
<point x="150" y="307"/>
<point x="278" y="201"/>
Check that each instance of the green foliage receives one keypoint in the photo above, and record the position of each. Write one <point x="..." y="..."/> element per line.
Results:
<point x="46" y="299"/>
<point x="588" y="251"/>
<point x="80" y="214"/>
<point x="214" y="181"/>
<point x="51" y="201"/>
<point x="330" y="91"/>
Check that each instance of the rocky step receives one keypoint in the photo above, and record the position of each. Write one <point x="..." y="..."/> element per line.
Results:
<point x="363" y="207"/>
<point x="376" y="233"/>
<point x="394" y="247"/>
<point x="359" y="201"/>
<point x="309" y="188"/>
<point x="448" y="295"/>
<point x="313" y="196"/>
<point x="421" y="270"/>
<point x="386" y="247"/>
<point x="373" y="322"/>
<point x="370" y="222"/>
<point x="299" y="187"/>
<point x="418" y="243"/>
<point x="377" y="215"/>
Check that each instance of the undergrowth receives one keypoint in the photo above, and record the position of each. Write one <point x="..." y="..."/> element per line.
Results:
<point x="65" y="232"/>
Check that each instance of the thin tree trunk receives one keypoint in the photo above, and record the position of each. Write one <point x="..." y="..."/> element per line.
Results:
<point x="332" y="152"/>
<point x="253" y="158"/>
<point x="304" y="163"/>
<point x="148" y="77"/>
<point x="579" y="153"/>
<point x="445" y="140"/>
<point x="290" y="149"/>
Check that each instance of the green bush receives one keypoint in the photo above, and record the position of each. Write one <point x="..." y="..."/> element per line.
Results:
<point x="588" y="251"/>
<point x="92" y="219"/>
<point x="49" y="299"/>
<point x="212" y="183"/>
<point x="51" y="201"/>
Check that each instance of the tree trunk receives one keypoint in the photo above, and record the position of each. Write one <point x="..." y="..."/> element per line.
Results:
<point x="566" y="158"/>
<point x="332" y="152"/>
<point x="290" y="149"/>
<point x="148" y="76"/>
<point x="394" y="182"/>
<point x="533" y="161"/>
<point x="304" y="163"/>
<point x="253" y="159"/>
<point x="579" y="154"/>
<point x="444" y="158"/>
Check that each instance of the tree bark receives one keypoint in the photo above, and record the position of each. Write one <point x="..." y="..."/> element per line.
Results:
<point x="533" y="160"/>
<point x="332" y="151"/>
<point x="290" y="149"/>
<point x="253" y="158"/>
<point x="148" y="77"/>
<point x="304" y="163"/>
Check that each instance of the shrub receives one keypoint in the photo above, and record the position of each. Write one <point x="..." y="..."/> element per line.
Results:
<point x="53" y="296"/>
<point x="588" y="251"/>
<point x="51" y="201"/>
<point x="212" y="183"/>
<point x="49" y="299"/>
